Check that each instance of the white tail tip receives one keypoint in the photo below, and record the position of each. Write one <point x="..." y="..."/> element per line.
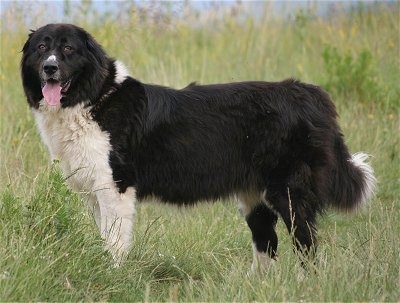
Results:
<point x="360" y="160"/>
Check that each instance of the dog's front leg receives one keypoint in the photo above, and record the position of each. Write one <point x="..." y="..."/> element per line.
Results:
<point x="116" y="221"/>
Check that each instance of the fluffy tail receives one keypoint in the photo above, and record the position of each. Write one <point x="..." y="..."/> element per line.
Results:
<point x="354" y="181"/>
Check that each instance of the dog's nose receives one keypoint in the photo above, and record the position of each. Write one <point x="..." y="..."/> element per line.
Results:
<point x="50" y="67"/>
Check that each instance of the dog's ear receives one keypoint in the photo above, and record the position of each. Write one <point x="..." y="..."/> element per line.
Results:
<point x="96" y="50"/>
<point x="26" y="45"/>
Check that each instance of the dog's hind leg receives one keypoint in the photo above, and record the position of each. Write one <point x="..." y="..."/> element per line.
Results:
<point x="116" y="220"/>
<point x="298" y="208"/>
<point x="261" y="221"/>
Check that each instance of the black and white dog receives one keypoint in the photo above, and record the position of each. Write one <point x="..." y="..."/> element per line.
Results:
<point x="275" y="146"/>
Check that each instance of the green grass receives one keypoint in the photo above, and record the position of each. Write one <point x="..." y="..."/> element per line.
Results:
<point x="50" y="249"/>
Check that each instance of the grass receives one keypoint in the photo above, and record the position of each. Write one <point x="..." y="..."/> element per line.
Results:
<point x="50" y="249"/>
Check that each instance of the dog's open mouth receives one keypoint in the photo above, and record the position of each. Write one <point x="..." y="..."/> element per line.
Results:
<point x="53" y="90"/>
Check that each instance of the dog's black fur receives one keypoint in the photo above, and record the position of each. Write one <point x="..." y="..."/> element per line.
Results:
<point x="204" y="142"/>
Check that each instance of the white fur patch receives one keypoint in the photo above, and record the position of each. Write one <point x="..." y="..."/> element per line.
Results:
<point x="52" y="58"/>
<point x="76" y="140"/>
<point x="360" y="160"/>
<point x="121" y="72"/>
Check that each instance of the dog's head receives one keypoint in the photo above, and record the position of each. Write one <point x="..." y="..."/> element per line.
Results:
<point x="62" y="64"/>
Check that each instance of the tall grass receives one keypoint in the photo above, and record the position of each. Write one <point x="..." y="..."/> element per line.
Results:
<point x="50" y="249"/>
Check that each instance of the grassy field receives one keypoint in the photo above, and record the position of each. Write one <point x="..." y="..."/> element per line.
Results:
<point x="50" y="249"/>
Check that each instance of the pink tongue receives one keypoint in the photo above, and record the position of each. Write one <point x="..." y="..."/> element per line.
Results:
<point x="52" y="93"/>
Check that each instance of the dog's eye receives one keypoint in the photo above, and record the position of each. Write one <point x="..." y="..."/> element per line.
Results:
<point x="68" y="49"/>
<point x="42" y="47"/>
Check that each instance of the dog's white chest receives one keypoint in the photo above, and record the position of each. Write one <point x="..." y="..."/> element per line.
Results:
<point x="77" y="141"/>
